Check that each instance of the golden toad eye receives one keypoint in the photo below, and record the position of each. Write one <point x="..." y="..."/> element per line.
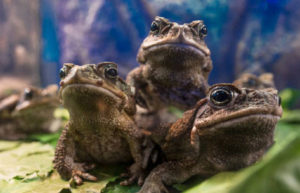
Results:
<point x="62" y="72"/>
<point x="221" y="96"/>
<point x="65" y="70"/>
<point x="154" y="27"/>
<point x="203" y="30"/>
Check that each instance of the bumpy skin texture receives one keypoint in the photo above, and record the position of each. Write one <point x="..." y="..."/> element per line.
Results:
<point x="101" y="129"/>
<point x="216" y="136"/>
<point x="248" y="80"/>
<point x="174" y="65"/>
<point x="29" y="112"/>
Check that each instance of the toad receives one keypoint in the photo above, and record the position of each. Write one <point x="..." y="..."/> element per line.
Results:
<point x="249" y="80"/>
<point x="101" y="129"/>
<point x="230" y="129"/>
<point x="174" y="65"/>
<point x="28" y="113"/>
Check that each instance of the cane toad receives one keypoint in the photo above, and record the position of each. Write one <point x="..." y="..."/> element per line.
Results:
<point x="248" y="80"/>
<point x="230" y="129"/>
<point x="101" y="129"/>
<point x="28" y="113"/>
<point x="174" y="65"/>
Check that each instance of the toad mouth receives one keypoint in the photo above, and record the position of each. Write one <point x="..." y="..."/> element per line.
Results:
<point x="43" y="102"/>
<point x="91" y="89"/>
<point x="238" y="117"/>
<point x="184" y="46"/>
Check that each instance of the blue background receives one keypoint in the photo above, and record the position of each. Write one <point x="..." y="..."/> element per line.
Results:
<point x="244" y="35"/>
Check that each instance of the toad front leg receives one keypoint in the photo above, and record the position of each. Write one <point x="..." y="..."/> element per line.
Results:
<point x="136" y="79"/>
<point x="64" y="161"/>
<point x="167" y="174"/>
<point x="137" y="169"/>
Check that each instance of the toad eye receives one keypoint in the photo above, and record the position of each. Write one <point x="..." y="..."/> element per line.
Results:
<point x="221" y="96"/>
<point x="62" y="72"/>
<point x="111" y="72"/>
<point x="154" y="26"/>
<point x="28" y="94"/>
<point x="203" y="30"/>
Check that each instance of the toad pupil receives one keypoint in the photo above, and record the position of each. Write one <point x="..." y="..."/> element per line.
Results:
<point x="203" y="30"/>
<point x="154" y="26"/>
<point x="220" y="96"/>
<point x="62" y="73"/>
<point x="112" y="72"/>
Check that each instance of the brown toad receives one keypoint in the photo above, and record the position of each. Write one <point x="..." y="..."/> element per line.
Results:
<point x="248" y="80"/>
<point x="174" y="65"/>
<point x="230" y="129"/>
<point x="28" y="113"/>
<point x="101" y="129"/>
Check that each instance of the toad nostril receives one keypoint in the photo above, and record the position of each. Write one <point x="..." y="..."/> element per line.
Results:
<point x="99" y="82"/>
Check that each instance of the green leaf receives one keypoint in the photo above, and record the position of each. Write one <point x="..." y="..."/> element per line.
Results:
<point x="62" y="113"/>
<point x="291" y="116"/>
<point x="50" y="139"/>
<point x="25" y="161"/>
<point x="53" y="184"/>
<point x="27" y="168"/>
<point x="175" y="111"/>
<point x="4" y="145"/>
<point x="289" y="97"/>
<point x="115" y="187"/>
